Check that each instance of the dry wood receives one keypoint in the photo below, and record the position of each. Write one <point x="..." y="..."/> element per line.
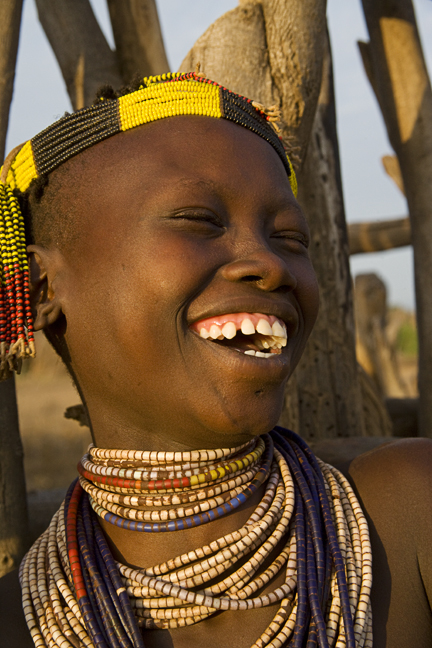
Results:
<point x="271" y="51"/>
<point x="295" y="37"/>
<point x="395" y="66"/>
<point x="379" y="235"/>
<point x="13" y="503"/>
<point x="10" y="19"/>
<point x="392" y="168"/>
<point x="404" y="415"/>
<point x="331" y="400"/>
<point x="373" y="348"/>
<point x="138" y="38"/>
<point x="13" y="506"/>
<point x="85" y="58"/>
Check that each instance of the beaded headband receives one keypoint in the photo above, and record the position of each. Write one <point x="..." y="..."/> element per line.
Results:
<point x="166" y="95"/>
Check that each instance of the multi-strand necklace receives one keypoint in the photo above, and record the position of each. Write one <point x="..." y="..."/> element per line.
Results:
<point x="308" y="524"/>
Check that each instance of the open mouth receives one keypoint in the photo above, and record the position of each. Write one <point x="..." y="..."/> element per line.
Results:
<point x="253" y="334"/>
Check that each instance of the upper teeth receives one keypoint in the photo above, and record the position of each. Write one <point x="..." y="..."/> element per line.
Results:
<point x="229" y="330"/>
<point x="247" y="327"/>
<point x="264" y="327"/>
<point x="276" y="333"/>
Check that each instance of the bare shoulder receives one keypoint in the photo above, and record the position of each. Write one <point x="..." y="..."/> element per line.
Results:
<point x="394" y="485"/>
<point x="13" y="629"/>
<point x="397" y="474"/>
<point x="395" y="463"/>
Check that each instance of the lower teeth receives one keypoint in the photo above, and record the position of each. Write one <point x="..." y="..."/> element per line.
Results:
<point x="258" y="354"/>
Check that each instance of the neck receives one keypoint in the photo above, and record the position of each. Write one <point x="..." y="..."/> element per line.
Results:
<point x="199" y="495"/>
<point x="143" y="550"/>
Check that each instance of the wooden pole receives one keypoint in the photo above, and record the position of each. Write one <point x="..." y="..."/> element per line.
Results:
<point x="330" y="396"/>
<point x="395" y="66"/>
<point x="10" y="19"/>
<point x="138" y="38"/>
<point x="379" y="235"/>
<point x="13" y="504"/>
<point x="85" y="58"/>
<point x="271" y="51"/>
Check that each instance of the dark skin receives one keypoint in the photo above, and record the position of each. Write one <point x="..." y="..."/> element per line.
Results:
<point x="198" y="220"/>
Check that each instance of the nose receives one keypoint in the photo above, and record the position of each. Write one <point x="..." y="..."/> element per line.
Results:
<point x="264" y="268"/>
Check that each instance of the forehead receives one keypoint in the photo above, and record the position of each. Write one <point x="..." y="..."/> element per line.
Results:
<point x="195" y="153"/>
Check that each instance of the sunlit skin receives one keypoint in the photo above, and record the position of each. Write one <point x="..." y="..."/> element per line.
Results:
<point x="195" y="217"/>
<point x="180" y="220"/>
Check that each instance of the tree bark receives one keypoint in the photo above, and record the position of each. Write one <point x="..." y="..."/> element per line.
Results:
<point x="392" y="168"/>
<point x="328" y="387"/>
<point x="295" y="37"/>
<point x="138" y="38"/>
<point x="85" y="58"/>
<point x="270" y="51"/>
<point x="373" y="347"/>
<point x="395" y="66"/>
<point x="13" y="505"/>
<point x="10" y="20"/>
<point x="380" y="235"/>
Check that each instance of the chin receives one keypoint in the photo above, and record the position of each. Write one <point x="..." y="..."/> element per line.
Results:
<point x="236" y="423"/>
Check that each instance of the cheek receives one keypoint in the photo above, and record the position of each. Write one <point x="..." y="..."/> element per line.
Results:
<point x="150" y="284"/>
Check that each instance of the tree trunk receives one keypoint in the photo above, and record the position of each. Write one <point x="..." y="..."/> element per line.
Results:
<point x="373" y="347"/>
<point x="396" y="69"/>
<point x="13" y="505"/>
<point x="10" y="20"/>
<point x="327" y="378"/>
<point x="85" y="58"/>
<point x="255" y="51"/>
<point x="138" y="38"/>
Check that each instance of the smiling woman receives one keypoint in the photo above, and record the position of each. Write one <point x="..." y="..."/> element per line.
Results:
<point x="169" y="267"/>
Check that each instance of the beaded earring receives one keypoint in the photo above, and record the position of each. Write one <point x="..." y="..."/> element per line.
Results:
<point x="16" y="321"/>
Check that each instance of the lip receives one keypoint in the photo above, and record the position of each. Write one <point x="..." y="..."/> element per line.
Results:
<point x="284" y="311"/>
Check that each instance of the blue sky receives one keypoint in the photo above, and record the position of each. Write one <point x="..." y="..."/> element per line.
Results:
<point x="40" y="98"/>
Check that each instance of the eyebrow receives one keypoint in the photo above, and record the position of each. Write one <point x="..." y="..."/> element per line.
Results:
<point x="205" y="184"/>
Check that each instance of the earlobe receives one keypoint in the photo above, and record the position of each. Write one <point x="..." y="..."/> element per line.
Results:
<point x="45" y="304"/>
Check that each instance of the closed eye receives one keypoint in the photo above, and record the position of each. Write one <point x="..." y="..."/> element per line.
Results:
<point x="295" y="237"/>
<point x="201" y="219"/>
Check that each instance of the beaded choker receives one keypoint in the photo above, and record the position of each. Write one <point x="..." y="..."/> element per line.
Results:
<point x="75" y="593"/>
<point x="166" y="95"/>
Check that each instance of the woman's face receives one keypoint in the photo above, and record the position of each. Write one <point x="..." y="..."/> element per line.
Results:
<point x="183" y="224"/>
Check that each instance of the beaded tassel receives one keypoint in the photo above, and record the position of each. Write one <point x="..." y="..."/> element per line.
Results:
<point x="308" y="510"/>
<point x="16" y="321"/>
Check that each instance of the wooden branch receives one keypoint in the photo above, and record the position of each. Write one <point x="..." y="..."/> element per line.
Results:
<point x="85" y="58"/>
<point x="10" y="20"/>
<point x="138" y="38"/>
<point x="392" y="168"/>
<point x="13" y="505"/>
<point x="404" y="93"/>
<point x="380" y="235"/>
<point x="270" y="51"/>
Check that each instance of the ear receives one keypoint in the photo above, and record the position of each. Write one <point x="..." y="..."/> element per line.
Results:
<point x="45" y="304"/>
